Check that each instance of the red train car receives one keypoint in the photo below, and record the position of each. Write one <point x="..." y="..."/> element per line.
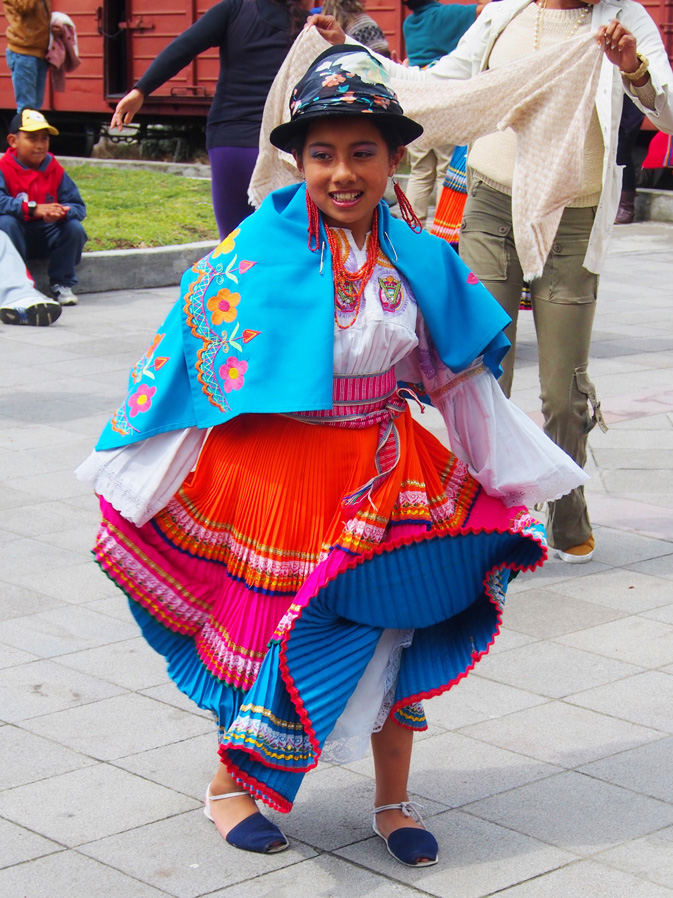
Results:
<point x="119" y="38"/>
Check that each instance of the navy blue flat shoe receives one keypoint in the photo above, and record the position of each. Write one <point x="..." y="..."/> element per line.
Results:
<point x="255" y="833"/>
<point x="409" y="844"/>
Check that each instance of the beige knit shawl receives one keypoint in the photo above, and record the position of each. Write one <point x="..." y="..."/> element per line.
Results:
<point x="546" y="98"/>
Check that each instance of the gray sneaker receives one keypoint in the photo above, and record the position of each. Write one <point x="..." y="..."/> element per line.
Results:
<point x="63" y="295"/>
<point x="36" y="311"/>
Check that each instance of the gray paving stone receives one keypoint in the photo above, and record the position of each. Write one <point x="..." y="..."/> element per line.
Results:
<point x="509" y="639"/>
<point x="561" y="734"/>
<point x="171" y="695"/>
<point x="624" y="590"/>
<point x="575" y="812"/>
<point x="64" y="630"/>
<point x="115" y="606"/>
<point x="69" y="875"/>
<point x="119" y="726"/>
<point x="476" y="858"/>
<point x="91" y="803"/>
<point x="454" y="769"/>
<point x="131" y="664"/>
<point x="18" y="601"/>
<point x="20" y="845"/>
<point x="320" y="877"/>
<point x="186" y="766"/>
<point x="79" y="584"/>
<point x="544" y="614"/>
<point x="657" y="567"/>
<point x="663" y="614"/>
<point x="24" y="556"/>
<point x="646" y="698"/>
<point x="553" y="670"/>
<point x="650" y="858"/>
<point x="185" y="856"/>
<point x="43" y="687"/>
<point x="475" y="699"/>
<point x="588" y="880"/>
<point x="27" y="758"/>
<point x="636" y="640"/>
<point x="647" y="769"/>
<point x="10" y="656"/>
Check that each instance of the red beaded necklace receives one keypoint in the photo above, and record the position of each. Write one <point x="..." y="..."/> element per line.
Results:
<point x="349" y="286"/>
<point x="347" y="296"/>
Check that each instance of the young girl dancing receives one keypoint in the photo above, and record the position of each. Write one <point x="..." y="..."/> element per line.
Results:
<point x="311" y="561"/>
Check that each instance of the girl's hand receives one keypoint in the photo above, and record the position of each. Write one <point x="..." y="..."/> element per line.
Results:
<point x="127" y="108"/>
<point x="328" y="27"/>
<point x="619" y="46"/>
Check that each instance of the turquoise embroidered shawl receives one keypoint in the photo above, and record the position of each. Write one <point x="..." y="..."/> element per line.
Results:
<point x="253" y="330"/>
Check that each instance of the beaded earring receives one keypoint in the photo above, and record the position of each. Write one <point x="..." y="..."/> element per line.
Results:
<point x="313" y="223"/>
<point x="406" y="209"/>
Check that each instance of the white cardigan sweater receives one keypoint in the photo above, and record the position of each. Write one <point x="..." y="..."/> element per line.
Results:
<point x="471" y="57"/>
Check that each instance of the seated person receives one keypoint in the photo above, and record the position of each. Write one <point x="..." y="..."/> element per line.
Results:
<point x="41" y="209"/>
<point x="20" y="302"/>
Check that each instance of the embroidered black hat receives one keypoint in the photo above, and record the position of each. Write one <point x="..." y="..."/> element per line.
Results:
<point x="30" y="120"/>
<point x="345" y="80"/>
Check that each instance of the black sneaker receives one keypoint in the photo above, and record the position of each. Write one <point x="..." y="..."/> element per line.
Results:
<point x="39" y="312"/>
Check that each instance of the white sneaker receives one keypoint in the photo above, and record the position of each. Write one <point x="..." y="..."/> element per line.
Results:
<point x="36" y="310"/>
<point x="63" y="295"/>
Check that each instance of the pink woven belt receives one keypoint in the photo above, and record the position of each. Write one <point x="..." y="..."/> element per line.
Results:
<point x="360" y="402"/>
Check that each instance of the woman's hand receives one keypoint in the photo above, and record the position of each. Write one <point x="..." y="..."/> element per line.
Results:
<point x="328" y="27"/>
<point x="620" y="47"/>
<point x="127" y="108"/>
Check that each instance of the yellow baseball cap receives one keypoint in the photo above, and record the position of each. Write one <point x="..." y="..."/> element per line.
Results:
<point x="30" y="120"/>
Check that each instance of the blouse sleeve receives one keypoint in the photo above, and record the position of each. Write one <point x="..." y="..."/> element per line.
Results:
<point x="140" y="479"/>
<point x="505" y="451"/>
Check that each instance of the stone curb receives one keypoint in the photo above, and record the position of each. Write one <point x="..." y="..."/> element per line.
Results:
<point x="130" y="269"/>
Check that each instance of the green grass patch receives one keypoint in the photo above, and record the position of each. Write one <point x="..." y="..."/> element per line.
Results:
<point x="139" y="209"/>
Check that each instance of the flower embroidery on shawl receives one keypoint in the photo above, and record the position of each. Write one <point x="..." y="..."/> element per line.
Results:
<point x="232" y="373"/>
<point x="141" y="400"/>
<point x="472" y="278"/>
<point x="223" y="306"/>
<point x="227" y="244"/>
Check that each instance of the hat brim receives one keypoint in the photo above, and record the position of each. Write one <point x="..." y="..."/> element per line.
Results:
<point x="38" y="127"/>
<point x="283" y="137"/>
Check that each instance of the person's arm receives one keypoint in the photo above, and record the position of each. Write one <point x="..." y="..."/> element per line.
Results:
<point x="209" y="31"/>
<point x="636" y="32"/>
<point x="69" y="195"/>
<point x="10" y="205"/>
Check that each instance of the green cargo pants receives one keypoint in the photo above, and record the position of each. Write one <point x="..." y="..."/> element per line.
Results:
<point x="564" y="302"/>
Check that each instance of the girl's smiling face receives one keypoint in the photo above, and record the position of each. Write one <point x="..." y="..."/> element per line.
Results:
<point x="347" y="163"/>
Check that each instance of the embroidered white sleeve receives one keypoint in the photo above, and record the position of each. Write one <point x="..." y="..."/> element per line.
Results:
<point x="140" y="479"/>
<point x="505" y="451"/>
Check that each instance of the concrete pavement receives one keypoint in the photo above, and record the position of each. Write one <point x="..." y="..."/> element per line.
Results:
<point x="547" y="773"/>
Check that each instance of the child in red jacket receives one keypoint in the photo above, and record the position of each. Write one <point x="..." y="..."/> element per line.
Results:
<point x="41" y="209"/>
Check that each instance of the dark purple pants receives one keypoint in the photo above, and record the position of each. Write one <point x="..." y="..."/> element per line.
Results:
<point x="231" y="170"/>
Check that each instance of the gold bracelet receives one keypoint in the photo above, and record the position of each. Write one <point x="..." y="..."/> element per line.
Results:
<point x="639" y="72"/>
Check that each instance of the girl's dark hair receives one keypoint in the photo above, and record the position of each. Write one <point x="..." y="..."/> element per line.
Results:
<point x="387" y="129"/>
<point x="298" y="16"/>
